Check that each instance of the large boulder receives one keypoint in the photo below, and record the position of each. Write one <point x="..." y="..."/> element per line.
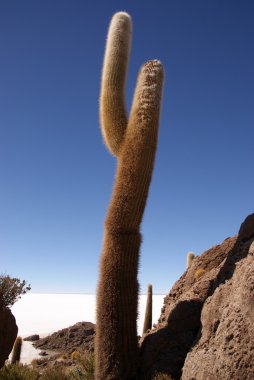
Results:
<point x="186" y="311"/>
<point x="8" y="334"/>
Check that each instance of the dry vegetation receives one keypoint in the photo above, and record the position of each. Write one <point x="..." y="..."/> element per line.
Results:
<point x="82" y="368"/>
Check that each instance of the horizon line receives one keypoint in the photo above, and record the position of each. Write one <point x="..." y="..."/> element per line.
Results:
<point x="86" y="293"/>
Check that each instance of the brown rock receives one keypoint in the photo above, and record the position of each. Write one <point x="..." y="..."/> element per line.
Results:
<point x="43" y="353"/>
<point x="80" y="336"/>
<point x="164" y="349"/>
<point x="8" y="334"/>
<point x="226" y="341"/>
<point x="211" y="292"/>
<point x="246" y="231"/>
<point x="32" y="338"/>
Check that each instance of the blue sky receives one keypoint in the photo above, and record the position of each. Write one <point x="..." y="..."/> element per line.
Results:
<point x="56" y="175"/>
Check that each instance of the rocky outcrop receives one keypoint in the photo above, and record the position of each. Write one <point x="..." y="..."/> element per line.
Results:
<point x="79" y="336"/>
<point x="225" y="345"/>
<point x="32" y="338"/>
<point x="8" y="334"/>
<point x="246" y="231"/>
<point x="194" y="330"/>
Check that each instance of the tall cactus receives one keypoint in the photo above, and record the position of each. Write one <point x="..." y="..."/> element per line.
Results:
<point x="133" y="141"/>
<point x="149" y="309"/>
<point x="190" y="258"/>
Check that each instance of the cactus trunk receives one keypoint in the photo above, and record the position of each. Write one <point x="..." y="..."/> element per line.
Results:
<point x="116" y="344"/>
<point x="149" y="309"/>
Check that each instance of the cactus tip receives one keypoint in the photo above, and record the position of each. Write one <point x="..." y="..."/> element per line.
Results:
<point x="122" y="14"/>
<point x="153" y="67"/>
<point x="122" y="18"/>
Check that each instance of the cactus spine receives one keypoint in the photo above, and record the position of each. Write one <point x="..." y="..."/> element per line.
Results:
<point x="190" y="258"/>
<point x="16" y="350"/>
<point x="149" y="309"/>
<point x="133" y="141"/>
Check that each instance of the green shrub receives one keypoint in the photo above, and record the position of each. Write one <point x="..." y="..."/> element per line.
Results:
<point x="56" y="373"/>
<point x="77" y="373"/>
<point x="11" y="289"/>
<point x="18" y="372"/>
<point x="85" y="368"/>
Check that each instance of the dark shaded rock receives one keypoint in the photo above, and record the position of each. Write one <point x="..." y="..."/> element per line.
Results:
<point x="32" y="338"/>
<point x="80" y="336"/>
<point x="246" y="231"/>
<point x="8" y="334"/>
<point x="207" y="317"/>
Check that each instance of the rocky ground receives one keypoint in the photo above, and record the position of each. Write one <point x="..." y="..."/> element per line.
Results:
<point x="64" y="346"/>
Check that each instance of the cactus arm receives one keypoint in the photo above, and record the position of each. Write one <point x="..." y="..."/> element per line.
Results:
<point x="113" y="114"/>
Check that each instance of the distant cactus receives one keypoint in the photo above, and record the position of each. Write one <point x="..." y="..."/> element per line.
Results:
<point x="134" y="143"/>
<point x="149" y="309"/>
<point x="190" y="257"/>
<point x="16" y="352"/>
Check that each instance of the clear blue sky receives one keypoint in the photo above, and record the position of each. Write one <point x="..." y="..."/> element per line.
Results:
<point x="56" y="175"/>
